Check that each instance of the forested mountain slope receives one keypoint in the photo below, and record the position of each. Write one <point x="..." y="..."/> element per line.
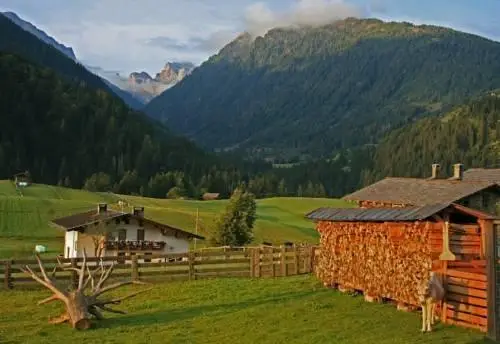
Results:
<point x="16" y="40"/>
<point x="469" y="134"/>
<point x="309" y="91"/>
<point x="63" y="132"/>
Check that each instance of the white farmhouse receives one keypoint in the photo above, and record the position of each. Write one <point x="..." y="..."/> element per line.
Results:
<point x="106" y="232"/>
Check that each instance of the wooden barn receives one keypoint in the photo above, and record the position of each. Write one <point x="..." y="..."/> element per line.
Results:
<point x="405" y="227"/>
<point x="386" y="252"/>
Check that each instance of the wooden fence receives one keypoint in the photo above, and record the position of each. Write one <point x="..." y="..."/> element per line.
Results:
<point x="245" y="262"/>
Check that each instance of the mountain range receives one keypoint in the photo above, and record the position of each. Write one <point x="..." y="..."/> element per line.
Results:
<point x="307" y="92"/>
<point x="134" y="94"/>
<point x="143" y="86"/>
<point x="334" y="107"/>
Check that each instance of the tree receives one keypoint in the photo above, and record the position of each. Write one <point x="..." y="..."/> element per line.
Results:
<point x="98" y="234"/>
<point x="234" y="227"/>
<point x="98" y="182"/>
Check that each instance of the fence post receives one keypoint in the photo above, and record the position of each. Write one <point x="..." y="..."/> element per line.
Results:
<point x="283" y="261"/>
<point x="192" y="273"/>
<point x="74" y="276"/>
<point x="256" y="254"/>
<point x="135" y="268"/>
<point x="296" y="259"/>
<point x="312" y="256"/>
<point x="273" y="266"/>
<point x="8" y="275"/>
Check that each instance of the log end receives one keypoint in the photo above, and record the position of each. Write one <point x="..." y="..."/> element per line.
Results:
<point x="82" y="324"/>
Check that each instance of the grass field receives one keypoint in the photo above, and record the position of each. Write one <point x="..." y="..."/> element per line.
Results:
<point x="24" y="220"/>
<point x="283" y="310"/>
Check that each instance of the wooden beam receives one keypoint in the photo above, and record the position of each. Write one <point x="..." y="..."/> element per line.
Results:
<point x="446" y="254"/>
<point x="493" y="330"/>
<point x="485" y="225"/>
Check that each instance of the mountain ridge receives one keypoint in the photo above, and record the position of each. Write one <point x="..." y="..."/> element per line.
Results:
<point x="319" y="89"/>
<point x="66" y="51"/>
<point x="42" y="35"/>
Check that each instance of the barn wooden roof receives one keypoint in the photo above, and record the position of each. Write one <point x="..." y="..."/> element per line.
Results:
<point x="418" y="192"/>
<point x="389" y="214"/>
<point x="491" y="175"/>
<point x="80" y="220"/>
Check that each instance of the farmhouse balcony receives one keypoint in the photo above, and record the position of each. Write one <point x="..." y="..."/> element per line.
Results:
<point x="136" y="245"/>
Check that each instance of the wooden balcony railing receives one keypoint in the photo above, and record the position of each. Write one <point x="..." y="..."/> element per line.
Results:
<point x="128" y="245"/>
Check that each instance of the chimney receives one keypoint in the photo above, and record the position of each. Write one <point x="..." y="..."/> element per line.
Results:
<point x="458" y="171"/>
<point x="435" y="171"/>
<point x="102" y="208"/>
<point x="139" y="211"/>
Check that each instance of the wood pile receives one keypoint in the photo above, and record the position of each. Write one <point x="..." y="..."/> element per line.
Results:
<point x="381" y="259"/>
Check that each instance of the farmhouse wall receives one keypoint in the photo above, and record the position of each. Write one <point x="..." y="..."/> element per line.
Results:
<point x="174" y="245"/>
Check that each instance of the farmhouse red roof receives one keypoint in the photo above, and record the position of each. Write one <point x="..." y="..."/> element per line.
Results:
<point x="416" y="191"/>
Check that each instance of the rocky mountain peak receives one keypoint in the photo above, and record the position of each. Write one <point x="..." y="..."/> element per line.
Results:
<point x="140" y="78"/>
<point x="174" y="72"/>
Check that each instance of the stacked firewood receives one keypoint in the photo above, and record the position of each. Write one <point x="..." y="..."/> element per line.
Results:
<point x="381" y="259"/>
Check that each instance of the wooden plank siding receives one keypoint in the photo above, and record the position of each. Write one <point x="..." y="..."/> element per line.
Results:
<point x="466" y="294"/>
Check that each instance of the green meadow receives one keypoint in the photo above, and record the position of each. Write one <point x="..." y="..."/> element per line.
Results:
<point x="24" y="219"/>
<point x="229" y="310"/>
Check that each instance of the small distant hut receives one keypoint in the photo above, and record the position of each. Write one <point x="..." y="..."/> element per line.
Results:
<point x="22" y="179"/>
<point x="210" y="196"/>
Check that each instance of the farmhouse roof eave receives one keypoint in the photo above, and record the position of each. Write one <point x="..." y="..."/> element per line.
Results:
<point x="153" y="222"/>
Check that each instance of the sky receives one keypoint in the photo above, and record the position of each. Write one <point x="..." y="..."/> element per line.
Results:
<point x="133" y="35"/>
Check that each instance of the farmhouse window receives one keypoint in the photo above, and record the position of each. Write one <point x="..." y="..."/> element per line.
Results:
<point x="140" y="235"/>
<point x="122" y="234"/>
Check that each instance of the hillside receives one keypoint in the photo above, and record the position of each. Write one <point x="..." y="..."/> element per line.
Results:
<point x="24" y="221"/>
<point x="468" y="134"/>
<point x="64" y="133"/>
<point x="25" y="40"/>
<point x="309" y="91"/>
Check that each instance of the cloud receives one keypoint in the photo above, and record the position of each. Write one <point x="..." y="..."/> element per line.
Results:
<point x="208" y="44"/>
<point x="259" y="18"/>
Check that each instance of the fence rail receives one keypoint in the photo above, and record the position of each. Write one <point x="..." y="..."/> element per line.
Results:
<point x="255" y="262"/>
